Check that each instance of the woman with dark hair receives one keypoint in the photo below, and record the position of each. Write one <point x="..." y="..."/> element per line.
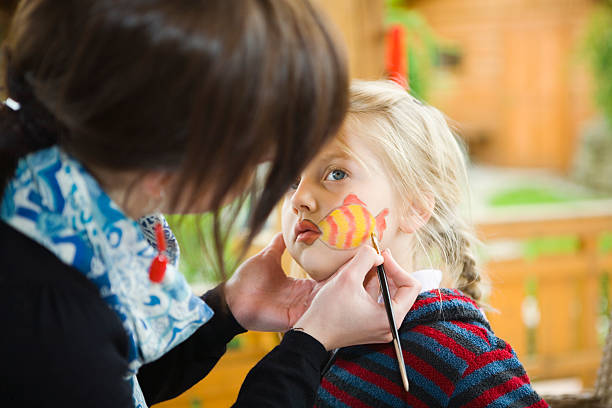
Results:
<point x="119" y="110"/>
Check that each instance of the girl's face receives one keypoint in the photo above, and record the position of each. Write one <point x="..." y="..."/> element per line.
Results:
<point x="331" y="210"/>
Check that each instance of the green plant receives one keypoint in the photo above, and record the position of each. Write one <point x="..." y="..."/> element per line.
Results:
<point x="598" y="47"/>
<point x="194" y="234"/>
<point x="421" y="44"/>
<point x="533" y="195"/>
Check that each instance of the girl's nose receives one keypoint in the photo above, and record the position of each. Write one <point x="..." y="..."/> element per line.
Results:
<point x="303" y="200"/>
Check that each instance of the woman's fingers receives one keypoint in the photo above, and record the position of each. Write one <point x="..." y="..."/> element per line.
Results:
<point x="408" y="288"/>
<point x="359" y="265"/>
<point x="345" y="312"/>
<point x="371" y="284"/>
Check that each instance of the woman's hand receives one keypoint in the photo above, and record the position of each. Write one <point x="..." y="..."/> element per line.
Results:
<point x="345" y="311"/>
<point x="260" y="295"/>
<point x="340" y="311"/>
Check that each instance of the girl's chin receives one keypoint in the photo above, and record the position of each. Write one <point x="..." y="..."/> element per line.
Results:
<point x="319" y="275"/>
<point x="321" y="262"/>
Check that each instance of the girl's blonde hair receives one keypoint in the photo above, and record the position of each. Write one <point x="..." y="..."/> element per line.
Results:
<point x="427" y="167"/>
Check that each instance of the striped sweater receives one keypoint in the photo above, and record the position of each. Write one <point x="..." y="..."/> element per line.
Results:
<point x="453" y="359"/>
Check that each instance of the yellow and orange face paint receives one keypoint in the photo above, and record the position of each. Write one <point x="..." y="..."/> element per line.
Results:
<point x="351" y="224"/>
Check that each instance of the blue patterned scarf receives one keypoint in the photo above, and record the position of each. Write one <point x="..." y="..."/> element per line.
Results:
<point x="56" y="202"/>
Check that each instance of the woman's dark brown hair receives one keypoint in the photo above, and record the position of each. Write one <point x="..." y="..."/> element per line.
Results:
<point x="205" y="88"/>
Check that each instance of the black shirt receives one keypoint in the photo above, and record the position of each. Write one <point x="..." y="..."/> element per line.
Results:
<point x="61" y="345"/>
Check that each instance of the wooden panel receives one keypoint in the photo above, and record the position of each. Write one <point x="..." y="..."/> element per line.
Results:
<point x="568" y="291"/>
<point x="506" y="321"/>
<point x="577" y="364"/>
<point x="360" y="23"/>
<point x="559" y="226"/>
<point x="555" y="298"/>
<point x="520" y="86"/>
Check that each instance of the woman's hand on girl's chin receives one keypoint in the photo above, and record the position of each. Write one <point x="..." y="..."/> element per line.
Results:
<point x="343" y="313"/>
<point x="260" y="295"/>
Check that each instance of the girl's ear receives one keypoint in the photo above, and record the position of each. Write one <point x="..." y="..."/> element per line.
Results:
<point x="418" y="214"/>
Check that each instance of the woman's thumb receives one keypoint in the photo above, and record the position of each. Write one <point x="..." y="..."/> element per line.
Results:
<point x="276" y="247"/>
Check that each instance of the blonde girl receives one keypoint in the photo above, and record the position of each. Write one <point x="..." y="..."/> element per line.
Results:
<point x="396" y="169"/>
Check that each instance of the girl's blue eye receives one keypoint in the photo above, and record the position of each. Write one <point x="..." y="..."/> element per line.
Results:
<point x="336" y="175"/>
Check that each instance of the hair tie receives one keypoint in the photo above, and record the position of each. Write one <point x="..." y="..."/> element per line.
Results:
<point x="12" y="104"/>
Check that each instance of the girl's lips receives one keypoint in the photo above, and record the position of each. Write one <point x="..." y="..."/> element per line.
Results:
<point x="307" y="232"/>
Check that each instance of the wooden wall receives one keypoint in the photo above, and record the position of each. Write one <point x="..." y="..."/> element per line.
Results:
<point x="520" y="91"/>
<point x="361" y="28"/>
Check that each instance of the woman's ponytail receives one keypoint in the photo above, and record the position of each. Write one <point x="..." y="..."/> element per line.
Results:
<point x="25" y="124"/>
<point x="11" y="139"/>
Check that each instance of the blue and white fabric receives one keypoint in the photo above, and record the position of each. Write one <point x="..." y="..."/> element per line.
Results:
<point x="56" y="202"/>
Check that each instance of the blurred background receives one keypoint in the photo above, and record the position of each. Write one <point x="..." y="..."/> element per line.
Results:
<point x="528" y="86"/>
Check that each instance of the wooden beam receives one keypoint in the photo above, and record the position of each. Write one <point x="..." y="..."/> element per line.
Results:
<point x="545" y="228"/>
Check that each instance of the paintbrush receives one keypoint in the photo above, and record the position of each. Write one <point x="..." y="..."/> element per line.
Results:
<point x="384" y="288"/>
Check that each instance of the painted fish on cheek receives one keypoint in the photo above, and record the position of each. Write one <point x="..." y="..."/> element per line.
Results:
<point x="350" y="225"/>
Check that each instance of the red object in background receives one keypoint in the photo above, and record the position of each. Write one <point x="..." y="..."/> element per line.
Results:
<point x="396" y="56"/>
<point x="158" y="266"/>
